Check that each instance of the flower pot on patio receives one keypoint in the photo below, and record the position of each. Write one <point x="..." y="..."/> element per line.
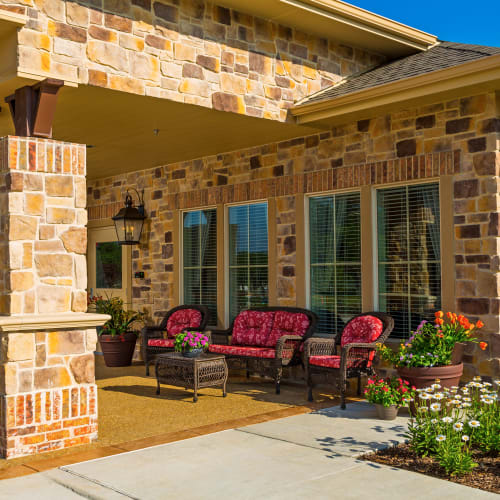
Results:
<point x="386" y="412"/>
<point x="118" y="350"/>
<point x="425" y="376"/>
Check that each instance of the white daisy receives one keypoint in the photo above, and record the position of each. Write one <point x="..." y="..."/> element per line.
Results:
<point x="423" y="409"/>
<point x="435" y="407"/>
<point x="465" y="437"/>
<point x="455" y="401"/>
<point x="466" y="405"/>
<point x="487" y="384"/>
<point x="477" y="378"/>
<point x="434" y="421"/>
<point x="458" y="426"/>
<point x="474" y="424"/>
<point x="447" y="420"/>
<point x="435" y="386"/>
<point x="487" y="401"/>
<point x="496" y="382"/>
<point x="467" y="399"/>
<point x="440" y="438"/>
<point x="438" y="396"/>
<point x="424" y="395"/>
<point x="454" y="387"/>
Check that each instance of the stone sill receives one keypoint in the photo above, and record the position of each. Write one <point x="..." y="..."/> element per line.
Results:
<point x="61" y="321"/>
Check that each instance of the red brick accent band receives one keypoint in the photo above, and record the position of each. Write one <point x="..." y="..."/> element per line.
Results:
<point x="383" y="172"/>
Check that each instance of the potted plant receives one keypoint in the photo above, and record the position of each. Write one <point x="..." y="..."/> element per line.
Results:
<point x="429" y="352"/>
<point x="116" y="337"/>
<point x="389" y="395"/>
<point x="190" y="343"/>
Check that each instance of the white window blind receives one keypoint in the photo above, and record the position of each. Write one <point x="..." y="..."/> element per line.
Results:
<point x="335" y="260"/>
<point x="200" y="259"/>
<point x="409" y="255"/>
<point x="248" y="257"/>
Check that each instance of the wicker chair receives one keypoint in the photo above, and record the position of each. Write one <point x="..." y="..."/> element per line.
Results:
<point x="273" y="343"/>
<point x="357" y="343"/>
<point x="174" y="322"/>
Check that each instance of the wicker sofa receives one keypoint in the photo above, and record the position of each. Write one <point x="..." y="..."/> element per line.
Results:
<point x="350" y="354"/>
<point x="159" y="339"/>
<point x="270" y="337"/>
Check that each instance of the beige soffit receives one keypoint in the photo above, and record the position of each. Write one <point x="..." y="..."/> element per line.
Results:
<point x="61" y="321"/>
<point x="482" y="74"/>
<point x="340" y="21"/>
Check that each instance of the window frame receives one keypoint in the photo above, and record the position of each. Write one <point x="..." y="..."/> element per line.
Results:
<point x="181" y="254"/>
<point x="307" y="238"/>
<point x="443" y="235"/>
<point x="226" y="269"/>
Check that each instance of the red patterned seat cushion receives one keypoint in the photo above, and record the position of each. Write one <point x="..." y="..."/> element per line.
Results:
<point x="333" y="361"/>
<point x="252" y="328"/>
<point x="161" y="342"/>
<point x="287" y="323"/>
<point x="182" y="319"/>
<point x="363" y="329"/>
<point x="255" y="352"/>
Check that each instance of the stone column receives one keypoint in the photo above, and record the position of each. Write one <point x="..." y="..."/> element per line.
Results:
<point x="48" y="396"/>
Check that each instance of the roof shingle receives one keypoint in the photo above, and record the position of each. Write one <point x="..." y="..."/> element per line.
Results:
<point x="441" y="56"/>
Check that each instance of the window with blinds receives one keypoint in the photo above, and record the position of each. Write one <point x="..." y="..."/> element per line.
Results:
<point x="248" y="257"/>
<point x="200" y="259"/>
<point x="409" y="255"/>
<point x="335" y="259"/>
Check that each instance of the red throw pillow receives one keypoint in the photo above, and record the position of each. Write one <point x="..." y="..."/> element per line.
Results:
<point x="252" y="328"/>
<point x="287" y="323"/>
<point x="182" y="319"/>
<point x="363" y="329"/>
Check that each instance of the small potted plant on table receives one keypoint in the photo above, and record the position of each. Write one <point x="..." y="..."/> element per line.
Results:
<point x="190" y="343"/>
<point x="429" y="353"/>
<point x="389" y="395"/>
<point x="116" y="337"/>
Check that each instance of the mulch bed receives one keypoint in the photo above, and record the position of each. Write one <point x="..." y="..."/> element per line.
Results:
<point x="486" y="476"/>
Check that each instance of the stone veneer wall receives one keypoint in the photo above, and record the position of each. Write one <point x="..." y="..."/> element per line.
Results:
<point x="48" y="398"/>
<point x="459" y="137"/>
<point x="184" y="50"/>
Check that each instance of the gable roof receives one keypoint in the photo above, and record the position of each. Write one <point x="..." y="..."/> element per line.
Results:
<point x="441" y="56"/>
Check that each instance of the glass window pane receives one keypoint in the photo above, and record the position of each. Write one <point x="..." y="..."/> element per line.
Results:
<point x="409" y="254"/>
<point x="200" y="260"/>
<point x="248" y="257"/>
<point x="108" y="256"/>
<point x="335" y="249"/>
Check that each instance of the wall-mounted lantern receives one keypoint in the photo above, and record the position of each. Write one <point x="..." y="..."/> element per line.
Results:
<point x="129" y="220"/>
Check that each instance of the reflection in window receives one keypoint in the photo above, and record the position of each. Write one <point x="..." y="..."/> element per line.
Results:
<point x="335" y="249"/>
<point x="108" y="264"/>
<point x="409" y="254"/>
<point x="248" y="257"/>
<point x="200" y="259"/>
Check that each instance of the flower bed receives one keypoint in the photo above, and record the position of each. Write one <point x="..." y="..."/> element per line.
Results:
<point x="453" y="433"/>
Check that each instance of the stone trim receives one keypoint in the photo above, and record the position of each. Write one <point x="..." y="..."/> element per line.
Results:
<point x="30" y="323"/>
<point x="382" y="172"/>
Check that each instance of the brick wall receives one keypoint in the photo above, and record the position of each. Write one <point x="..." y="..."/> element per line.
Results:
<point x="184" y="50"/>
<point x="456" y="138"/>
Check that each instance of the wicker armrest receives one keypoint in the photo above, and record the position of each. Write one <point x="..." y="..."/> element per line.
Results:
<point x="282" y="341"/>
<point x="152" y="332"/>
<point x="346" y="348"/>
<point x="219" y="336"/>
<point x="319" y="347"/>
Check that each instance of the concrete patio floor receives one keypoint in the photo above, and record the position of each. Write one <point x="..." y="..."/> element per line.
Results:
<point x="312" y="455"/>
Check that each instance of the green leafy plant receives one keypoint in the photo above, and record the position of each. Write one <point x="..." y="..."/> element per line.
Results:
<point x="121" y="318"/>
<point x="448" y="424"/>
<point x="187" y="341"/>
<point x="388" y="392"/>
<point x="432" y="344"/>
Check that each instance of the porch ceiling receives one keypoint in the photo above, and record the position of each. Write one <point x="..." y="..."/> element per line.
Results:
<point x="120" y="127"/>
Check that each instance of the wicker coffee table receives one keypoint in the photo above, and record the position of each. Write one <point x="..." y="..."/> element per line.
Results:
<point x="207" y="370"/>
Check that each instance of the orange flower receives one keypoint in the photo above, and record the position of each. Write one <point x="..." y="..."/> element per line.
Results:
<point x="439" y="314"/>
<point x="449" y="315"/>
<point x="439" y="321"/>
<point x="483" y="345"/>
<point x="479" y="324"/>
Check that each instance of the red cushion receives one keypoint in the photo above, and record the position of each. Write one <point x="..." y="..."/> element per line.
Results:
<point x="161" y="342"/>
<point x="252" y="328"/>
<point x="182" y="319"/>
<point x="334" y="361"/>
<point x="255" y="352"/>
<point x="287" y="323"/>
<point x="363" y="329"/>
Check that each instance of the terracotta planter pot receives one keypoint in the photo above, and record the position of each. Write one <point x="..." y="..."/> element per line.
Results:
<point x="425" y="376"/>
<point x="386" y="412"/>
<point x="118" y="352"/>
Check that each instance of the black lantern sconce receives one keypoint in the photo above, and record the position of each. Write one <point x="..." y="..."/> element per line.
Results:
<point x="129" y="220"/>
